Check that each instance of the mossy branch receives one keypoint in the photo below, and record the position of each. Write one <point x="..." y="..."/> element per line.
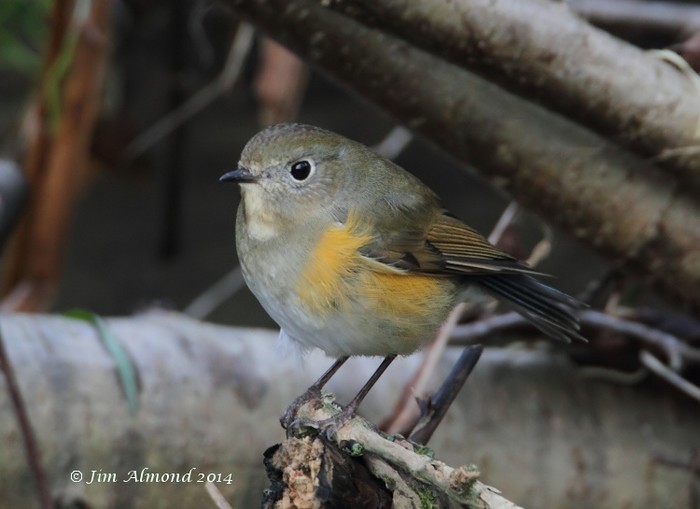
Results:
<point x="414" y="479"/>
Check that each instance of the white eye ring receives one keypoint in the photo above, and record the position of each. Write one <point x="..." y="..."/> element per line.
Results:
<point x="302" y="169"/>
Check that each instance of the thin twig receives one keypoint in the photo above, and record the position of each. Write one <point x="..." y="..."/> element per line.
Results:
<point x="660" y="369"/>
<point x="30" y="444"/>
<point x="197" y="33"/>
<point x="691" y="465"/>
<point x="216" y="496"/>
<point x="675" y="350"/>
<point x="239" y="50"/>
<point x="507" y="217"/>
<point x="219" y="292"/>
<point x="612" y="375"/>
<point x="436" y="407"/>
<point x="394" y="143"/>
<point x="542" y="249"/>
<point x="406" y="413"/>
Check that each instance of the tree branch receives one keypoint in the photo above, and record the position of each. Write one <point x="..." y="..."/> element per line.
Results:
<point x="391" y="458"/>
<point x="673" y="19"/>
<point x="223" y="388"/>
<point x="31" y="448"/>
<point x="563" y="62"/>
<point x="56" y="165"/>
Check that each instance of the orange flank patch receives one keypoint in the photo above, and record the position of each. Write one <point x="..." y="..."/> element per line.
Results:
<point x="337" y="274"/>
<point x="406" y="297"/>
<point x="324" y="283"/>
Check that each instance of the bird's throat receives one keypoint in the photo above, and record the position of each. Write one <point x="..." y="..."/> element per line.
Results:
<point x="260" y="221"/>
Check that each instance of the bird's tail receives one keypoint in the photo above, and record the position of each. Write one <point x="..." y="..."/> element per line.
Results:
<point x="551" y="311"/>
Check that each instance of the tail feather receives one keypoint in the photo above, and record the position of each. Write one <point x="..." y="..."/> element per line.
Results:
<point x="551" y="311"/>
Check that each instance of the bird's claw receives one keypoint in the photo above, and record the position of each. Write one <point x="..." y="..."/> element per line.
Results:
<point x="329" y="427"/>
<point x="289" y="420"/>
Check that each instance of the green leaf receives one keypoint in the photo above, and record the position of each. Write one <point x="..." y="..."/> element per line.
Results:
<point x="125" y="368"/>
<point x="23" y="28"/>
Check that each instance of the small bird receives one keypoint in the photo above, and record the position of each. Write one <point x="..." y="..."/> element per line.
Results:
<point x="350" y="253"/>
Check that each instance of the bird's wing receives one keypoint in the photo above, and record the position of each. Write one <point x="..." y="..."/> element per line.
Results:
<point x="446" y="246"/>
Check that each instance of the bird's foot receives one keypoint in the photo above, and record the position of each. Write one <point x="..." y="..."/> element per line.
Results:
<point x="329" y="427"/>
<point x="296" y="426"/>
<point x="289" y="419"/>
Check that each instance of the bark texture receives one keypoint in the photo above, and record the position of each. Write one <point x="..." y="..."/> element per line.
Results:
<point x="542" y="49"/>
<point x="210" y="397"/>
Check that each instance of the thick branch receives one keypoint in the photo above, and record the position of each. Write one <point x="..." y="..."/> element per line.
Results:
<point x="541" y="49"/>
<point x="210" y="397"/>
<point x="561" y="170"/>
<point x="673" y="19"/>
<point x="57" y="169"/>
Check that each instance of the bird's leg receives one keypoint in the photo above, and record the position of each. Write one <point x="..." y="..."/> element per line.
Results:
<point x="314" y="391"/>
<point x="346" y="413"/>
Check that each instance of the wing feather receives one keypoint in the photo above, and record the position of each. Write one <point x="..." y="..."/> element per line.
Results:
<point x="446" y="247"/>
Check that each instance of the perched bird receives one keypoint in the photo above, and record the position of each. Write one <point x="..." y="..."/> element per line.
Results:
<point x="351" y="254"/>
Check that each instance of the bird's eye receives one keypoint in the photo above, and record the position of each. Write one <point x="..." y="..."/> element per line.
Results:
<point x="301" y="169"/>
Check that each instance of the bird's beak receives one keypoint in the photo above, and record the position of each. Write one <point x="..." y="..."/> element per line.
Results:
<point x="240" y="175"/>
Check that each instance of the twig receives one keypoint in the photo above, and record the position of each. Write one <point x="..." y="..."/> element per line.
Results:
<point x="30" y="444"/>
<point x="680" y="325"/>
<point x="217" y="293"/>
<point x="507" y="217"/>
<point x="675" y="350"/>
<point x="598" y="291"/>
<point x="470" y="333"/>
<point x="612" y="375"/>
<point x="280" y="83"/>
<point x="542" y="249"/>
<point x="436" y="407"/>
<point x="459" y="484"/>
<point x="423" y="467"/>
<point x="198" y="35"/>
<point x="394" y="143"/>
<point x="663" y="371"/>
<point x="405" y="413"/>
<point x="206" y="95"/>
<point x="691" y="465"/>
<point x="216" y="496"/>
